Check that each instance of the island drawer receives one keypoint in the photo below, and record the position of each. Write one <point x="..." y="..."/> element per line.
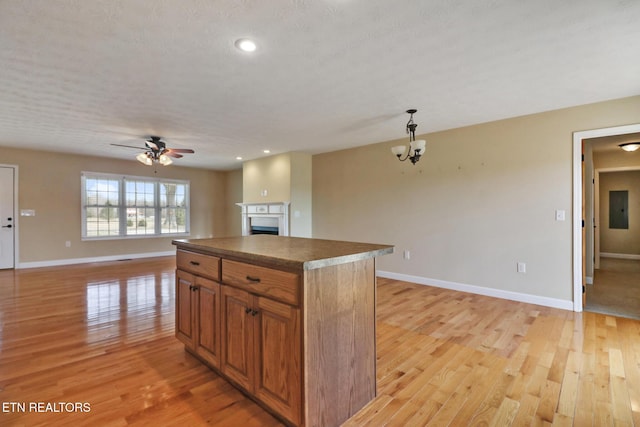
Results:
<point x="279" y="285"/>
<point x="199" y="264"/>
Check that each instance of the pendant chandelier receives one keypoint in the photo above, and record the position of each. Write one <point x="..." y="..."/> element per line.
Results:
<point x="416" y="148"/>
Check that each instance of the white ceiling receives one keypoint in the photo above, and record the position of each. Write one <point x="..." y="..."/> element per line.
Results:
<point x="78" y="75"/>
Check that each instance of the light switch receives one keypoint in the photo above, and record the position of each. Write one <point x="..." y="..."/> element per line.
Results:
<point x="27" y="212"/>
<point x="559" y="215"/>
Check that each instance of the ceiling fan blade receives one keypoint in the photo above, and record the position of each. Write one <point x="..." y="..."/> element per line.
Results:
<point x="128" y="146"/>
<point x="182" y="150"/>
<point x="170" y="154"/>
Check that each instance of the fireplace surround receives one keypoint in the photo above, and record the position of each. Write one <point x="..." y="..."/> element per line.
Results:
<point x="265" y="218"/>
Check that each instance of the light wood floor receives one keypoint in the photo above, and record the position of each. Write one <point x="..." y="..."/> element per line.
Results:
<point x="102" y="334"/>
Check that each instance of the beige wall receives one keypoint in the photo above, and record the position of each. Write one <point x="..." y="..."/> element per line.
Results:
<point x="49" y="183"/>
<point x="234" y="195"/>
<point x="616" y="159"/>
<point x="301" y="195"/>
<point x="272" y="174"/>
<point x="620" y="241"/>
<point x="481" y="199"/>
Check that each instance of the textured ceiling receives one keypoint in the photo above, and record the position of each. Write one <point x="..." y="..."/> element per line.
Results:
<point x="78" y="75"/>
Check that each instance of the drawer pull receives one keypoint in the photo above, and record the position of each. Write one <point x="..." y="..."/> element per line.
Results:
<point x="194" y="262"/>
<point x="253" y="279"/>
<point x="247" y="310"/>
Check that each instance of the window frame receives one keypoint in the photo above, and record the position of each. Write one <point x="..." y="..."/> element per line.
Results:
<point x="122" y="205"/>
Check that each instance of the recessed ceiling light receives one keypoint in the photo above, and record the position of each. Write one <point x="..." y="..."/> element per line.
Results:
<point x="238" y="158"/>
<point x="266" y="151"/>
<point x="246" y="45"/>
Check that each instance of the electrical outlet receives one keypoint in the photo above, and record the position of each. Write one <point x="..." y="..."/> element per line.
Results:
<point x="67" y="243"/>
<point x="406" y="254"/>
<point x="522" y="267"/>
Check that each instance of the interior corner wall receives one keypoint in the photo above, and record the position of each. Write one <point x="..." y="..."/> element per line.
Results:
<point x="301" y="195"/>
<point x="233" y="211"/>
<point x="482" y="199"/>
<point x="49" y="183"/>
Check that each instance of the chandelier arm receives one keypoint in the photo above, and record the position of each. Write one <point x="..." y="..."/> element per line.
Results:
<point x="407" y="156"/>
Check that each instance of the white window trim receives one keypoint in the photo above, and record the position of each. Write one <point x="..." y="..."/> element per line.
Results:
<point x="122" y="204"/>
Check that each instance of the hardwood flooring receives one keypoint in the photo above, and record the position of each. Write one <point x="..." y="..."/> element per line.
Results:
<point x="102" y="335"/>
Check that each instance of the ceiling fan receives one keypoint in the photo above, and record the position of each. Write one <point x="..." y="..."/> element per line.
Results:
<point x="156" y="151"/>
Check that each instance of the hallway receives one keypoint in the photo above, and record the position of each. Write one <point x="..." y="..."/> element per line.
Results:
<point x="616" y="288"/>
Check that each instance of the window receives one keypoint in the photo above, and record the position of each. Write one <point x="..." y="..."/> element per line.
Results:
<point x="127" y="206"/>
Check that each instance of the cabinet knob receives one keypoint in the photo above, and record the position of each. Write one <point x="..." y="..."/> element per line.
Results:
<point x="254" y="312"/>
<point x="247" y="310"/>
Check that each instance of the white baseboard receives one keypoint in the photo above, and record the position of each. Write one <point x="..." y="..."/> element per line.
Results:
<point x="57" y="262"/>
<point x="490" y="292"/>
<point x="619" y="256"/>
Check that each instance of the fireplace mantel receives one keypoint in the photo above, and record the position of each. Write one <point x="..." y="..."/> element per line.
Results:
<point x="279" y="210"/>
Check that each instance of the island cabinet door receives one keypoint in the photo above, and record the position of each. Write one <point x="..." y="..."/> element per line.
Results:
<point x="185" y="308"/>
<point x="207" y="344"/>
<point x="237" y="360"/>
<point x="278" y="357"/>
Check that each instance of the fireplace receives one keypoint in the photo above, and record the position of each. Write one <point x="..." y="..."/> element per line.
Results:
<point x="264" y="225"/>
<point x="265" y="218"/>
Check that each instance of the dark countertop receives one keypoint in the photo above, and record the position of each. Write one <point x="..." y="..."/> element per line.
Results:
<point x="291" y="253"/>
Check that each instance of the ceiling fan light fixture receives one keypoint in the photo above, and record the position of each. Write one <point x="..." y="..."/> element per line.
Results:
<point x="630" y="146"/>
<point x="156" y="151"/>
<point x="165" y="160"/>
<point x="144" y="159"/>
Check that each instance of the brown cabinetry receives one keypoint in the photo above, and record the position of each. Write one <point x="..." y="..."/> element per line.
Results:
<point x="261" y="349"/>
<point x="290" y="321"/>
<point x="185" y="308"/>
<point x="198" y="306"/>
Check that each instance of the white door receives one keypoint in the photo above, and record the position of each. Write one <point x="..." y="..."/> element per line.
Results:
<point x="7" y="220"/>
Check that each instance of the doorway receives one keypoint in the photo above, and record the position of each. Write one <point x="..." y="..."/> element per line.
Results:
<point x="583" y="213"/>
<point x="8" y="203"/>
<point x="615" y="288"/>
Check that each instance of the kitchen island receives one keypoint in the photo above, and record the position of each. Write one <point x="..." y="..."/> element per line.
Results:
<point x="290" y="321"/>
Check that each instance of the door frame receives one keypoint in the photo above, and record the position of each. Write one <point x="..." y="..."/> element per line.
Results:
<point x="578" y="255"/>
<point x="16" y="240"/>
